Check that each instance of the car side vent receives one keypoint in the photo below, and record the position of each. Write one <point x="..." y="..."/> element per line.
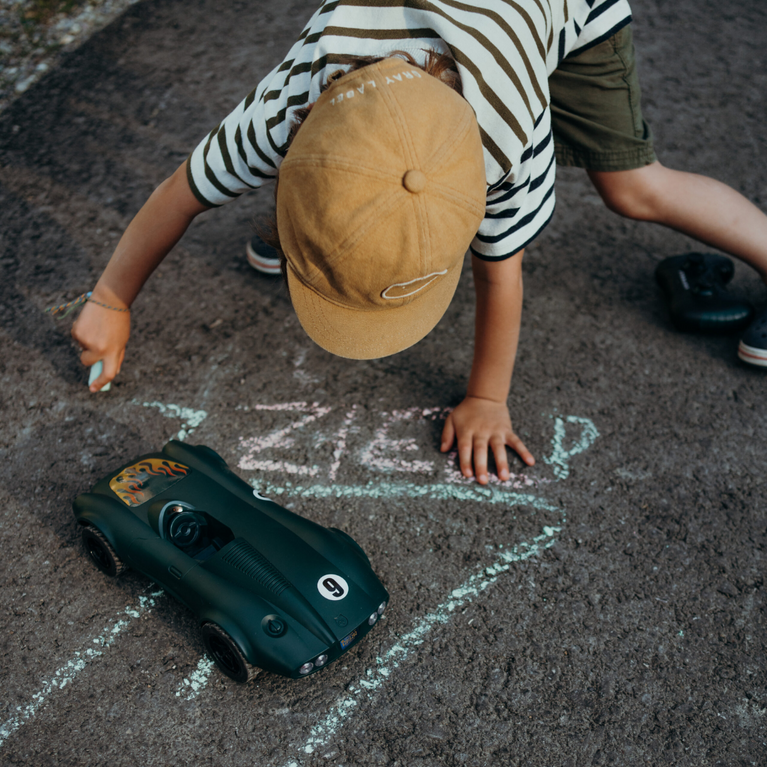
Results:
<point x="241" y="555"/>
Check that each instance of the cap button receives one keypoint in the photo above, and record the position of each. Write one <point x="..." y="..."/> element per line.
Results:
<point x="414" y="181"/>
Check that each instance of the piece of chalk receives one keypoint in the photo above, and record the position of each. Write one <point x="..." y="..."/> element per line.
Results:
<point x="96" y="369"/>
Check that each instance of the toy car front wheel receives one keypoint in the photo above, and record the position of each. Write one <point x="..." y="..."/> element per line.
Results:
<point x="226" y="655"/>
<point x="101" y="552"/>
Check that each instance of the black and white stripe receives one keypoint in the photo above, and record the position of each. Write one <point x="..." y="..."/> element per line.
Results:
<point x="504" y="50"/>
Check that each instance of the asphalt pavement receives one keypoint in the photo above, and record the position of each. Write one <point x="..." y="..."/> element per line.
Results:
<point x="605" y="607"/>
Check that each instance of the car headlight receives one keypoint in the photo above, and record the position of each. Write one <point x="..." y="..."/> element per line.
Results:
<point x="381" y="608"/>
<point x="320" y="660"/>
<point x="306" y="668"/>
<point x="373" y="618"/>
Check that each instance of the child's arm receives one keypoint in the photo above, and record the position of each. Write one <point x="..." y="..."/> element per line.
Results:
<point x="103" y="333"/>
<point x="482" y="419"/>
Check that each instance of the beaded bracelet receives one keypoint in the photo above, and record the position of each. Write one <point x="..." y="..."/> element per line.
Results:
<point x="113" y="308"/>
<point x="72" y="305"/>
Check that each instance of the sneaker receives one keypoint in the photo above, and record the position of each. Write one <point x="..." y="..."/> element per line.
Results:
<point x="694" y="285"/>
<point x="753" y="345"/>
<point x="262" y="257"/>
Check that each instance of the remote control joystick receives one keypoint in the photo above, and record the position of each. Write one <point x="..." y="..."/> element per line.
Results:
<point x="694" y="265"/>
<point x="694" y="287"/>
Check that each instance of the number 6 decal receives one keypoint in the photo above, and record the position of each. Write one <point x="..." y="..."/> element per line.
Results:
<point x="332" y="587"/>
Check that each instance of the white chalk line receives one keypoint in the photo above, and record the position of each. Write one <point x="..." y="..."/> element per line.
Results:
<point x="68" y="672"/>
<point x="375" y="454"/>
<point x="191" y="418"/>
<point x="340" y="445"/>
<point x="196" y="682"/>
<point x="389" y="490"/>
<point x="375" y="678"/>
<point x="560" y="458"/>
<point x="280" y="437"/>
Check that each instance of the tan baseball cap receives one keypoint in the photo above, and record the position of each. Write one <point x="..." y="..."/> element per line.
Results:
<point x="379" y="197"/>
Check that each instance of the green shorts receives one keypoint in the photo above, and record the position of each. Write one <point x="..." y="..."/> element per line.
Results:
<point x="595" y="107"/>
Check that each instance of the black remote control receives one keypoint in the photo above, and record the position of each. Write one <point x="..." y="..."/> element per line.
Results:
<point x="694" y="286"/>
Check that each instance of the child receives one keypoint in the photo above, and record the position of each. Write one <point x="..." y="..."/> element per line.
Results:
<point x="393" y="175"/>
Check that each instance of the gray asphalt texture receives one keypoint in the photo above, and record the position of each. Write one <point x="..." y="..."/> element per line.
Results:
<point x="606" y="607"/>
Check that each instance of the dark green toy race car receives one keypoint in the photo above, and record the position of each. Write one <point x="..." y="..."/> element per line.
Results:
<point x="271" y="589"/>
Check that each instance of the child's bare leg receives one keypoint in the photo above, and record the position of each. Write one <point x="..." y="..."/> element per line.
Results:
<point x="700" y="207"/>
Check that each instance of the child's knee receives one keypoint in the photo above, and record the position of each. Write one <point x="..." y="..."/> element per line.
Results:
<point x="635" y="194"/>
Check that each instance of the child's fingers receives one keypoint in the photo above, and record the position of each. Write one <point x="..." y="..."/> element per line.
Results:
<point x="103" y="371"/>
<point x="465" y="450"/>
<point x="448" y="435"/>
<point x="516" y="444"/>
<point x="501" y="460"/>
<point x="97" y="380"/>
<point x="480" y="460"/>
<point x="112" y="365"/>
<point x="89" y="357"/>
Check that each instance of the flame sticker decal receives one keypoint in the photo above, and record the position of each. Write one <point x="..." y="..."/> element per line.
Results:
<point x="144" y="480"/>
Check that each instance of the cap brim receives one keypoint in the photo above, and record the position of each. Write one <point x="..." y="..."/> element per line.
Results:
<point x="365" y="335"/>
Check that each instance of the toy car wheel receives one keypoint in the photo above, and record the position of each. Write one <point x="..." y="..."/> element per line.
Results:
<point x="101" y="552"/>
<point x="226" y="655"/>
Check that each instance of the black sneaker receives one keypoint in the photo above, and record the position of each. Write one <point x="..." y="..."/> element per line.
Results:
<point x="753" y="345"/>
<point x="694" y="285"/>
<point x="262" y="257"/>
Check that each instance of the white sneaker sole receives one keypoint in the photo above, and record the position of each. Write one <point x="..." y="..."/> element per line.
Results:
<point x="261" y="263"/>
<point x="752" y="356"/>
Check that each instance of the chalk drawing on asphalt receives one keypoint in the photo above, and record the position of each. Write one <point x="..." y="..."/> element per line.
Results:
<point x="379" y="449"/>
<point x="393" y="456"/>
<point x="196" y="682"/>
<point x="560" y="457"/>
<point x="96" y="649"/>
<point x="190" y="418"/>
<point x="375" y="678"/>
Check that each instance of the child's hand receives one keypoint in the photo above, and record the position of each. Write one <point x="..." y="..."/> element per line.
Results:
<point x="103" y="335"/>
<point x="476" y="424"/>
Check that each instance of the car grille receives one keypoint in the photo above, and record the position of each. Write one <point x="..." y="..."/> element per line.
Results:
<point x="251" y="562"/>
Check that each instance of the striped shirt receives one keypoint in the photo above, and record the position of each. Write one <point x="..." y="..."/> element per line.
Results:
<point x="504" y="50"/>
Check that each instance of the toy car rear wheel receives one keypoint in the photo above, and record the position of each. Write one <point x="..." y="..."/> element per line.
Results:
<point x="226" y="655"/>
<point x="101" y="552"/>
